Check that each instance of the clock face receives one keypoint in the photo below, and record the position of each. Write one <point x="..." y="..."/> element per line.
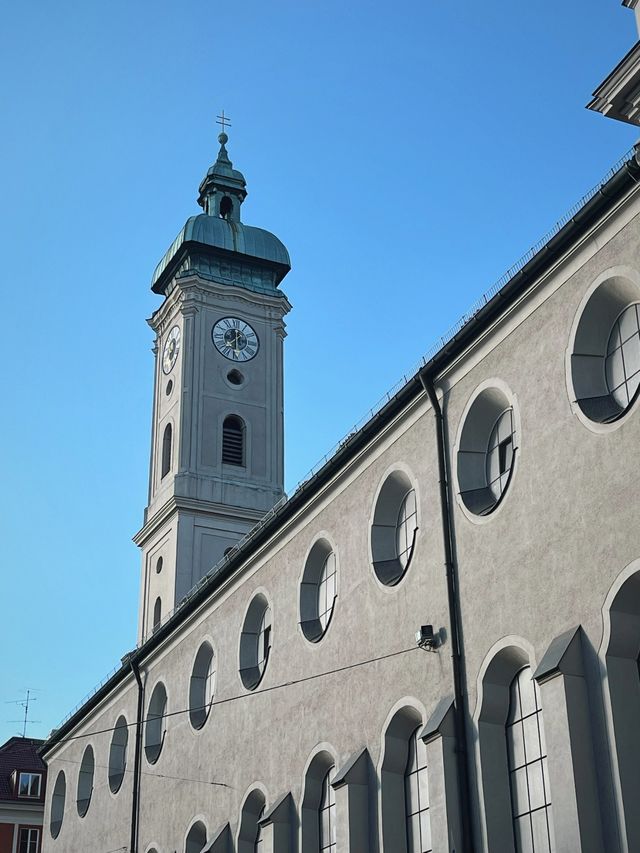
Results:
<point x="235" y="339"/>
<point x="171" y="349"/>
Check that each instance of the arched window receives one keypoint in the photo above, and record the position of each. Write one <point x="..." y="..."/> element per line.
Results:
<point x="416" y="797"/>
<point x="527" y="760"/>
<point x="157" y="613"/>
<point x="318" y="810"/>
<point x="513" y="762"/>
<point x="622" y="651"/>
<point x="196" y="838"/>
<point x="166" y="451"/>
<point x="226" y="206"/>
<point x="233" y="431"/>
<point x="406" y="826"/>
<point x="327" y="815"/>
<point x="250" y="832"/>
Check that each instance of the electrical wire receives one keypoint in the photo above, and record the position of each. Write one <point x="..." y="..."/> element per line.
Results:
<point x="148" y="773"/>
<point x="240" y="696"/>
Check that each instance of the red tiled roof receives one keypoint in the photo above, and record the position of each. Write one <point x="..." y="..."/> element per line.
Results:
<point x="18" y="753"/>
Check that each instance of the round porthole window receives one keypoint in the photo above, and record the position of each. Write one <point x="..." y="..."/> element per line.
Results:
<point x="486" y="453"/>
<point x="235" y="377"/>
<point x="605" y="356"/>
<point x="202" y="686"/>
<point x="154" y="729"/>
<point x="394" y="528"/>
<point x="255" y="642"/>
<point x="58" y="799"/>
<point x="118" y="754"/>
<point x="318" y="590"/>
<point x="85" y="781"/>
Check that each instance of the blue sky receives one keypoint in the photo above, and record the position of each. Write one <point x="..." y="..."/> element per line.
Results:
<point x="407" y="154"/>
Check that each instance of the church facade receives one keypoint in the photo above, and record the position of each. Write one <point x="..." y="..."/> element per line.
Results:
<point x="432" y="645"/>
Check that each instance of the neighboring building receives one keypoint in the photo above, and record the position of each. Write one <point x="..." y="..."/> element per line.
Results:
<point x="433" y="644"/>
<point x="23" y="778"/>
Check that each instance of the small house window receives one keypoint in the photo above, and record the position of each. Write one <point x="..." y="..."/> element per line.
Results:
<point x="28" y="842"/>
<point x="233" y="440"/>
<point x="166" y="451"/>
<point x="29" y="785"/>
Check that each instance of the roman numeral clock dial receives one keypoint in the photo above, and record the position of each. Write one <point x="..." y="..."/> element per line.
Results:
<point x="235" y="339"/>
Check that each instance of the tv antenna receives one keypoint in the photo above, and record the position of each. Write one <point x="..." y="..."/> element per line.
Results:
<point x="24" y="703"/>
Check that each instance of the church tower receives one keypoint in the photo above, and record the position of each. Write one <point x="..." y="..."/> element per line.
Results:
<point x="217" y="456"/>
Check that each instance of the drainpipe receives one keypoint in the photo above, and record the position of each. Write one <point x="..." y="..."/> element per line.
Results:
<point x="460" y="709"/>
<point x="135" y="799"/>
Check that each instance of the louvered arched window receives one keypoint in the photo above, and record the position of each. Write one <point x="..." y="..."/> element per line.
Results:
<point x="166" y="451"/>
<point x="233" y="433"/>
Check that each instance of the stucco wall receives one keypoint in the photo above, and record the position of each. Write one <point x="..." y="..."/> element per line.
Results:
<point x="543" y="562"/>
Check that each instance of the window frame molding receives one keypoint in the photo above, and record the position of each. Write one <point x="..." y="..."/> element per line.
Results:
<point x="83" y="805"/>
<point x="29" y="797"/>
<point x="258" y="592"/>
<point x="29" y="828"/>
<point x="59" y="824"/>
<point x="390" y="771"/>
<point x="326" y="537"/>
<point x="122" y="714"/>
<point x="404" y="469"/>
<point x="500" y="665"/>
<point x="244" y="470"/>
<point x="200" y="818"/>
<point x="621" y="271"/>
<point x="159" y="680"/>
<point x="162" y="478"/>
<point x="318" y="764"/>
<point x="254" y="804"/>
<point x="205" y="638"/>
<point x="497" y="384"/>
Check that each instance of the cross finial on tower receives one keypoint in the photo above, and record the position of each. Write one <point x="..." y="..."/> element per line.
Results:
<point x="223" y="121"/>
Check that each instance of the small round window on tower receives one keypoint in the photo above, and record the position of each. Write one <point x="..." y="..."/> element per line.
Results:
<point x="159" y="565"/>
<point x="235" y="377"/>
<point x="169" y="388"/>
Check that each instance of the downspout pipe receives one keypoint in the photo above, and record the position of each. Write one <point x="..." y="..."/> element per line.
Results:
<point x="460" y="709"/>
<point x="135" y="797"/>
